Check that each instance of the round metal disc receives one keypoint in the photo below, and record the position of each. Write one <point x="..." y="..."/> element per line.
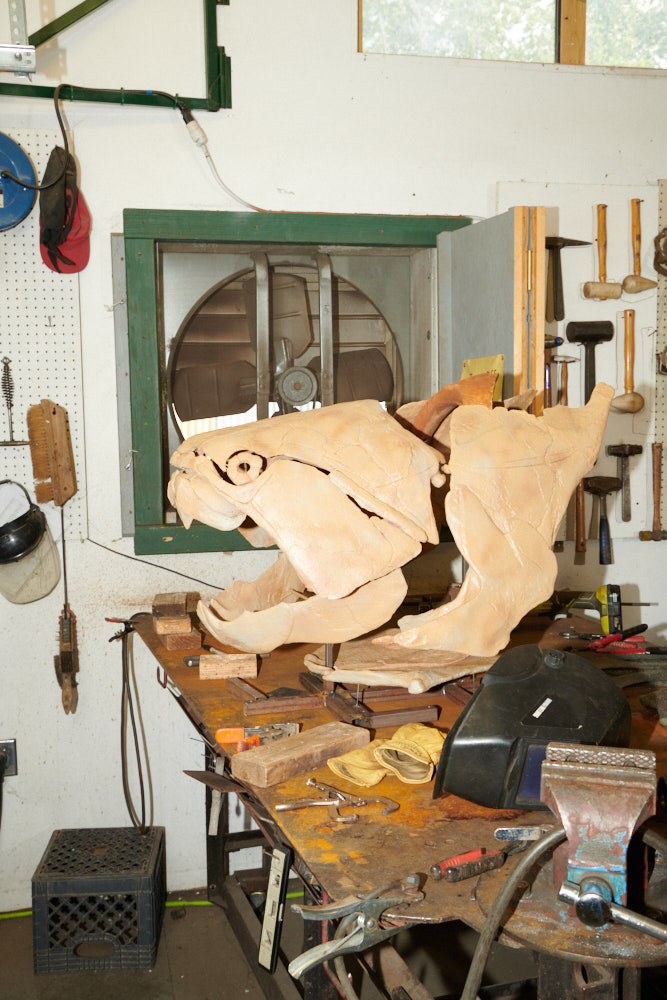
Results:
<point x="16" y="201"/>
<point x="297" y="386"/>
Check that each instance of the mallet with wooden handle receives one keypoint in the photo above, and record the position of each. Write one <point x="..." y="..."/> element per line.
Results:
<point x="657" y="534"/>
<point x="602" y="289"/>
<point x="630" y="401"/>
<point x="634" y="282"/>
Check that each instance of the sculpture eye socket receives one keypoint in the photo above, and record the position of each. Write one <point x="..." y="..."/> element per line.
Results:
<point x="244" y="467"/>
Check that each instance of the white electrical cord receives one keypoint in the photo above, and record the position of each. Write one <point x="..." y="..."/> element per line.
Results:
<point x="198" y="136"/>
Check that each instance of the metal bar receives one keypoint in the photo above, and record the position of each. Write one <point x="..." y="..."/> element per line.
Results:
<point x="326" y="330"/>
<point x="64" y="21"/>
<point x="17" y="25"/>
<point x="101" y="96"/>
<point x="263" y="335"/>
<point x="247" y="928"/>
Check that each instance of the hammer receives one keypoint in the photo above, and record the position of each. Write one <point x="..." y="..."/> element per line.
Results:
<point x="602" y="486"/>
<point x="602" y="289"/>
<point x="623" y="452"/>
<point x="634" y="282"/>
<point x="589" y="334"/>
<point x="657" y="534"/>
<point x="579" y="500"/>
<point x="555" y="307"/>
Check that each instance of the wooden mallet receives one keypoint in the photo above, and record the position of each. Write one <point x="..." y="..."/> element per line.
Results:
<point x="634" y="282"/>
<point x="630" y="401"/>
<point x="602" y="289"/>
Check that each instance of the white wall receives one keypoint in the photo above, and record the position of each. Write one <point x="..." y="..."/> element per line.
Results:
<point x="314" y="127"/>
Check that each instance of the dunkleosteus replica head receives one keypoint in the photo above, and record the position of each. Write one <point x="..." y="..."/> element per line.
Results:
<point x="344" y="491"/>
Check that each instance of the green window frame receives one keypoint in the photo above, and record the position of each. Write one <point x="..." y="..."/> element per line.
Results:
<point x="144" y="231"/>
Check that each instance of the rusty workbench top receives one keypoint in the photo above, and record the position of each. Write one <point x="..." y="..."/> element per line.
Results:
<point x="376" y="850"/>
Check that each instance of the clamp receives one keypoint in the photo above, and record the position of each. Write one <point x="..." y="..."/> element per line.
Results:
<point x="361" y="926"/>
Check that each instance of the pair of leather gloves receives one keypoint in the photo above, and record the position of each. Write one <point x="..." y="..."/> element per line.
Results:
<point x="411" y="754"/>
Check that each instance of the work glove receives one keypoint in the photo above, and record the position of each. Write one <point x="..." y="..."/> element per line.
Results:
<point x="412" y="752"/>
<point x="361" y="766"/>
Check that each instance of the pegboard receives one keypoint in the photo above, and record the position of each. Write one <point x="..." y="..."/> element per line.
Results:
<point x="40" y="332"/>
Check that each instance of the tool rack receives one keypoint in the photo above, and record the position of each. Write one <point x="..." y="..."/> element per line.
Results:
<point x="334" y="861"/>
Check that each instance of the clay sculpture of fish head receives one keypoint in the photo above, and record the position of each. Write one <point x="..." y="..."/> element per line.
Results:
<point x="344" y="491"/>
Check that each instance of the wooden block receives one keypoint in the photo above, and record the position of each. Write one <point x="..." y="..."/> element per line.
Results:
<point x="190" y="641"/>
<point x="281" y="759"/>
<point x="170" y="605"/>
<point x="219" y="666"/>
<point x="179" y="625"/>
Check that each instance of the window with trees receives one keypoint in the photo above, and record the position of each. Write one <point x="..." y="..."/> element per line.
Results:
<point x="629" y="33"/>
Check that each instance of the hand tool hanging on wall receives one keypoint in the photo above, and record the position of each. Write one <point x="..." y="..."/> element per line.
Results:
<point x="555" y="308"/>
<point x="656" y="534"/>
<point x="634" y="283"/>
<point x="589" y="335"/>
<point x="630" y="401"/>
<point x="624" y="452"/>
<point x="53" y="470"/>
<point x="602" y="289"/>
<point x="8" y="395"/>
<point x="601" y="487"/>
<point x="563" y="360"/>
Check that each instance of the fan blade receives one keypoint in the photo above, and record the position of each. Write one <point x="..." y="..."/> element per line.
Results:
<point x="290" y="316"/>
<point x="364" y="374"/>
<point x="213" y="390"/>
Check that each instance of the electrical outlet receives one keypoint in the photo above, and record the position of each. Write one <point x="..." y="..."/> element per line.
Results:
<point x="9" y="747"/>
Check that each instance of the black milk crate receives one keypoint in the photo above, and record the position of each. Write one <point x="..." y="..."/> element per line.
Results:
<point x="98" y="900"/>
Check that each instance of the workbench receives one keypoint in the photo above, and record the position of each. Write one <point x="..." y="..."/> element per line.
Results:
<point x="334" y="860"/>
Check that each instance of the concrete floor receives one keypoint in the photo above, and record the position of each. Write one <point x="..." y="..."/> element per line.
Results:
<point x="198" y="959"/>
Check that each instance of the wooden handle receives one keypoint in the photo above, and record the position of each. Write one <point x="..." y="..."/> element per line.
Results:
<point x="629" y="349"/>
<point x="580" y="518"/>
<point x="656" y="455"/>
<point x="636" y="236"/>
<point x="602" y="242"/>
<point x="562" y="399"/>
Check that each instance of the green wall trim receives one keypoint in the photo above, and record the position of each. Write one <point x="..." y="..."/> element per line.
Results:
<point x="290" y="227"/>
<point x="144" y="229"/>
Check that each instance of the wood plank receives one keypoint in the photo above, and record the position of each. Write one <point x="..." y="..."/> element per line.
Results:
<point x="220" y="666"/>
<point x="572" y="33"/>
<point x="170" y="605"/>
<point x="537" y="298"/>
<point x="282" y="759"/>
<point x="176" y="625"/>
<point x="192" y="640"/>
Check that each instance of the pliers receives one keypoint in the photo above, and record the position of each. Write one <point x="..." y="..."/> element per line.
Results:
<point x="335" y="799"/>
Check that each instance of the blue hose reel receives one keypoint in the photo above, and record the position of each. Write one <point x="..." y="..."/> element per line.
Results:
<point x="16" y="201"/>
